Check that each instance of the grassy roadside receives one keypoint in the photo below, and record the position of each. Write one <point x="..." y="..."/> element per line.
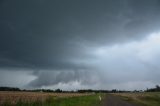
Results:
<point x="90" y="100"/>
<point x="144" y="99"/>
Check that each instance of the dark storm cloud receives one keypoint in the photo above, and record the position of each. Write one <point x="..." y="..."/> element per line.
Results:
<point x="38" y="33"/>
<point x="59" y="34"/>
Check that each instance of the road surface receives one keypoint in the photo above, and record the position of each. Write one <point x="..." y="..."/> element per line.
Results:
<point x="111" y="100"/>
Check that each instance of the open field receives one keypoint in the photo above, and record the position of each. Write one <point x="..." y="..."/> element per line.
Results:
<point x="144" y="98"/>
<point x="48" y="99"/>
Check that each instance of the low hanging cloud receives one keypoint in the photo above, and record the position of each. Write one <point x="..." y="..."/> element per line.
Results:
<point x="93" y="43"/>
<point x="116" y="66"/>
<point x="51" y="78"/>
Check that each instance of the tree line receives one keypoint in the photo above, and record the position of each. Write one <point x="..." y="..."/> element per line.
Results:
<point x="155" y="89"/>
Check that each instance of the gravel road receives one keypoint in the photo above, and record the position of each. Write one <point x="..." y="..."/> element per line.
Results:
<point x="111" y="100"/>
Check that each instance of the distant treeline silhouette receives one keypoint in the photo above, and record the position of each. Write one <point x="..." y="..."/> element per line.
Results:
<point x="156" y="89"/>
<point x="58" y="90"/>
<point x="34" y="90"/>
<point x="9" y="89"/>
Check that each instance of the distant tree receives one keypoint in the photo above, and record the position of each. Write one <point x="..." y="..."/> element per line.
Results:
<point x="114" y="91"/>
<point x="157" y="87"/>
<point x="58" y="90"/>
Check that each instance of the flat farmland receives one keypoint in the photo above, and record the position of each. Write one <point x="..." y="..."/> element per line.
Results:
<point x="8" y="98"/>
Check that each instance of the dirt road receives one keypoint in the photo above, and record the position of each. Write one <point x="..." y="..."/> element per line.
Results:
<point x="111" y="100"/>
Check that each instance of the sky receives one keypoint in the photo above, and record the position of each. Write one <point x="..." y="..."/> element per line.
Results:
<point x="80" y="44"/>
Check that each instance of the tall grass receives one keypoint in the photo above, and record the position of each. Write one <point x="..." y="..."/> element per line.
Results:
<point x="90" y="100"/>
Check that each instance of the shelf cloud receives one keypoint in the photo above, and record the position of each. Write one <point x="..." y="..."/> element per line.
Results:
<point x="101" y="44"/>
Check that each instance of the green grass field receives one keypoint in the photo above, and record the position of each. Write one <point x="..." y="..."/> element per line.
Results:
<point x="144" y="99"/>
<point x="90" y="100"/>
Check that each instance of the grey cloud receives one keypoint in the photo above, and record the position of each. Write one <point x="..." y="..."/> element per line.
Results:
<point x="55" y="36"/>
<point x="47" y="78"/>
<point x="15" y="77"/>
<point x="39" y="33"/>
